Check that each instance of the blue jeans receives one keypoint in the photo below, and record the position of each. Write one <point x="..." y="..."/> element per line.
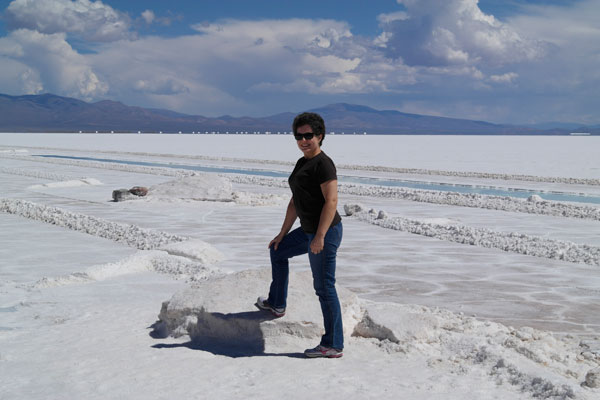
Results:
<point x="295" y="243"/>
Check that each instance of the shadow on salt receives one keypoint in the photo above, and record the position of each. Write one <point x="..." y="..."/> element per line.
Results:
<point x="252" y="344"/>
<point x="219" y="316"/>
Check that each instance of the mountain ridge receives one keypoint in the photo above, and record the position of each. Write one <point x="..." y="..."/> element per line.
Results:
<point x="51" y="113"/>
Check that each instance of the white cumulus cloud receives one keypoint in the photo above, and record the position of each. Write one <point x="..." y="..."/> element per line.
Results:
<point x="508" y="77"/>
<point x="453" y="32"/>
<point x="231" y="62"/>
<point x="93" y="20"/>
<point x="47" y="62"/>
<point x="148" y="16"/>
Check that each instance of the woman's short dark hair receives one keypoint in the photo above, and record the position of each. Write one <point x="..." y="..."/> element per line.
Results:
<point x="314" y="120"/>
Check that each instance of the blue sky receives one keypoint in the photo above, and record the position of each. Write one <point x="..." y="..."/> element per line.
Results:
<point x="501" y="61"/>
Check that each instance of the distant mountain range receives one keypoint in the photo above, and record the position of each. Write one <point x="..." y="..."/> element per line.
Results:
<point x="51" y="113"/>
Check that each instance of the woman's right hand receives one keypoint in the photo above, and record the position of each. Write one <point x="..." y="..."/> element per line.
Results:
<point x="276" y="240"/>
<point x="290" y="217"/>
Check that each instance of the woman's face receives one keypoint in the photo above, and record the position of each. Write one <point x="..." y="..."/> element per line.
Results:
<point x="310" y="147"/>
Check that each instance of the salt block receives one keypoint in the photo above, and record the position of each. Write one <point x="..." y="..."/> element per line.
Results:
<point x="351" y="209"/>
<point x="122" y="195"/>
<point x="592" y="378"/>
<point x="220" y="313"/>
<point x="398" y="323"/>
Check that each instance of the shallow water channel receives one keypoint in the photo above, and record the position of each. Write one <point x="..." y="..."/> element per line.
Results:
<point x="423" y="185"/>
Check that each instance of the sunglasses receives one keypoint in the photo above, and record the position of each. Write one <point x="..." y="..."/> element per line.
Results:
<point x="307" y="136"/>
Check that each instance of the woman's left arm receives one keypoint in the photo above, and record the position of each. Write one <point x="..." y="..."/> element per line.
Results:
<point x="330" y="193"/>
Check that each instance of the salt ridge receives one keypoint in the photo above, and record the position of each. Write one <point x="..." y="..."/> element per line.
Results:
<point x="544" y="207"/>
<point x="131" y="235"/>
<point x="37" y="174"/>
<point x="69" y="183"/>
<point x="469" y="174"/>
<point x="507" y="241"/>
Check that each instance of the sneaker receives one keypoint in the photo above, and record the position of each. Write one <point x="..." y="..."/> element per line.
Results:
<point x="322" y="351"/>
<point x="263" y="304"/>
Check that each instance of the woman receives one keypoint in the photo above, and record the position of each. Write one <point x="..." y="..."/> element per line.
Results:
<point x="314" y="200"/>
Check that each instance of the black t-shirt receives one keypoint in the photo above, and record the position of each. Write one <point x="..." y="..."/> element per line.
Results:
<point x="305" y="182"/>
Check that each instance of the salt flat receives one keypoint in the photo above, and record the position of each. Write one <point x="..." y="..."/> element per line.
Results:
<point x="96" y="331"/>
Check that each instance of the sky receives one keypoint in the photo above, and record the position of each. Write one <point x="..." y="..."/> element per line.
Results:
<point x="502" y="61"/>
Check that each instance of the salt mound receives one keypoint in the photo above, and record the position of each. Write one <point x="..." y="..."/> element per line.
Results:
<point x="534" y="198"/>
<point x="220" y="313"/>
<point x="209" y="187"/>
<point x="219" y="316"/>
<point x="195" y="249"/>
<point x="193" y="260"/>
<point x="196" y="187"/>
<point x="533" y="361"/>
<point x="259" y="199"/>
<point x="140" y="261"/>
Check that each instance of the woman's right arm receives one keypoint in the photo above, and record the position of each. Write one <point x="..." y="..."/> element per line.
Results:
<point x="288" y="222"/>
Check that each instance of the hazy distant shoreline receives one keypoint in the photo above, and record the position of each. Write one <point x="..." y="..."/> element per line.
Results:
<point x="282" y="134"/>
